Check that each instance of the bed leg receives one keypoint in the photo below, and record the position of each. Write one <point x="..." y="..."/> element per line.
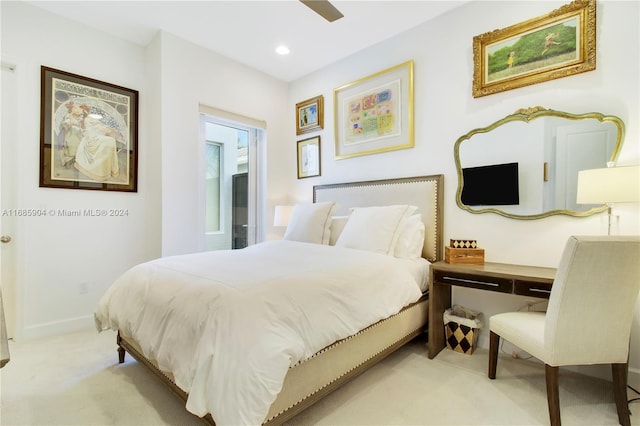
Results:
<point x="121" y="351"/>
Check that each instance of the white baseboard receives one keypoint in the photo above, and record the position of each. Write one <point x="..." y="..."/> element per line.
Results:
<point x="55" y="327"/>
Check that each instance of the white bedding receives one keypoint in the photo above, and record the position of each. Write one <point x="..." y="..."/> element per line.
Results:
<point x="229" y="337"/>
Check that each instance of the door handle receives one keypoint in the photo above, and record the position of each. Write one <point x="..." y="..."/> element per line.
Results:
<point x="5" y="239"/>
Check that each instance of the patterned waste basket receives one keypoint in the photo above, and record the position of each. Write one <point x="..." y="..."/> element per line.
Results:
<point x="461" y="328"/>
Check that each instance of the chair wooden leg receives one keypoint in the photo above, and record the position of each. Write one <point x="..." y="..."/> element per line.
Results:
<point x="553" y="395"/>
<point x="620" y="392"/>
<point x="494" y="342"/>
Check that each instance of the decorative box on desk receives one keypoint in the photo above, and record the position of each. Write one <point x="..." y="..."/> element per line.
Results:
<point x="468" y="256"/>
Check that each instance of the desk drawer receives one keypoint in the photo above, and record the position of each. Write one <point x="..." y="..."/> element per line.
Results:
<point x="502" y="285"/>
<point x="532" y="288"/>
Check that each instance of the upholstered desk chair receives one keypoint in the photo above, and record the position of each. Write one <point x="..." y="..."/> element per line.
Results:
<point x="588" y="319"/>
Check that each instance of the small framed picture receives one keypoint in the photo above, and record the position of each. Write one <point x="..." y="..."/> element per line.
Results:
<point x="309" y="157"/>
<point x="310" y="115"/>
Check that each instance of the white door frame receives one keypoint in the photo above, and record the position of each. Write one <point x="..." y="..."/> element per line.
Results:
<point x="256" y="150"/>
<point x="9" y="210"/>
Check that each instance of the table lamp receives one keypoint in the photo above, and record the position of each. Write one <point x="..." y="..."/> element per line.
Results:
<point x="609" y="186"/>
<point x="282" y="215"/>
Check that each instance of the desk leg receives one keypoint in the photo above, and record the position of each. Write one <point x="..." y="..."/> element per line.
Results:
<point x="439" y="300"/>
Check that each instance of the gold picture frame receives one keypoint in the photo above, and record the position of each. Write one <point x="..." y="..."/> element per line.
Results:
<point x="310" y="115"/>
<point x="309" y="158"/>
<point x="559" y="44"/>
<point x="375" y="114"/>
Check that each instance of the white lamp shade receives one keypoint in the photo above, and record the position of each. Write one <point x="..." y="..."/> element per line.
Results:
<point x="282" y="215"/>
<point x="610" y="185"/>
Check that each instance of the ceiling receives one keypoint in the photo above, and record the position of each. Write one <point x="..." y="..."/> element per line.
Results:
<point x="250" y="31"/>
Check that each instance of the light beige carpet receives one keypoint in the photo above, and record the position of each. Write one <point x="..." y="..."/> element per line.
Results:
<point x="75" y="379"/>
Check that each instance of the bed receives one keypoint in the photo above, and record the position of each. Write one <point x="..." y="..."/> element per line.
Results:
<point x="267" y="373"/>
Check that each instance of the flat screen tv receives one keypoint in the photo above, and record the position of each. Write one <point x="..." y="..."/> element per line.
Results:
<point x="494" y="185"/>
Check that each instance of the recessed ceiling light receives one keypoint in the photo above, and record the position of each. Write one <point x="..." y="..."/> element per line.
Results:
<point x="282" y="50"/>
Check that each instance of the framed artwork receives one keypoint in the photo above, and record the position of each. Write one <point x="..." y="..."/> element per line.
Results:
<point x="375" y="114"/>
<point x="88" y="133"/>
<point x="309" y="157"/>
<point x="310" y="115"/>
<point x="556" y="45"/>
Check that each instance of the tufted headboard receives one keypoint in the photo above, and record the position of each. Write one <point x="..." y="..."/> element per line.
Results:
<point x="425" y="192"/>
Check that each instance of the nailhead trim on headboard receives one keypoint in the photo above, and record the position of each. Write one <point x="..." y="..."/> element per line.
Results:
<point x="409" y="190"/>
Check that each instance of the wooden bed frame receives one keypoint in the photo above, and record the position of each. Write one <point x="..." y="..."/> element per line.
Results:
<point x="327" y="370"/>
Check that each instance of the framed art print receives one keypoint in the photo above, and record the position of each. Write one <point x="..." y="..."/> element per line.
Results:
<point x="310" y="115"/>
<point x="309" y="157"/>
<point x="375" y="114"/>
<point x="88" y="133"/>
<point x="559" y="44"/>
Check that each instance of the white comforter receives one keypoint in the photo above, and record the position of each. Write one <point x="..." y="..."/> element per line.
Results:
<point x="228" y="324"/>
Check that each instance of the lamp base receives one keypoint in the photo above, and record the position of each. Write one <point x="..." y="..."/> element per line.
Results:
<point x="612" y="221"/>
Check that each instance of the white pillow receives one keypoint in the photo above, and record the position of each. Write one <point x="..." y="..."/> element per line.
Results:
<point x="337" y="225"/>
<point x="411" y="238"/>
<point x="374" y="228"/>
<point x="310" y="223"/>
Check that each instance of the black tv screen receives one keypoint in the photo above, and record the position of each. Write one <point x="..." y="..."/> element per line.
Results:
<point x="494" y="185"/>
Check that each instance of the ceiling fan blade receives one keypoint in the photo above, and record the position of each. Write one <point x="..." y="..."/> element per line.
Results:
<point x="324" y="9"/>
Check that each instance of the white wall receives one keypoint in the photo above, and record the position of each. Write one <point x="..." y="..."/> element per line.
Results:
<point x="58" y="254"/>
<point x="446" y="110"/>
<point x="173" y="77"/>
<point x="192" y="76"/>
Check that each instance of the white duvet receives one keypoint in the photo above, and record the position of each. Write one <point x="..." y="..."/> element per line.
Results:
<point x="229" y="324"/>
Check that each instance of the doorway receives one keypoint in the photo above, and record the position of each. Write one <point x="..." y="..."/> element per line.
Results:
<point x="231" y="191"/>
<point x="582" y="146"/>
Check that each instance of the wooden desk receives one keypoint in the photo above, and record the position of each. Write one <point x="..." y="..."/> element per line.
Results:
<point x="500" y="277"/>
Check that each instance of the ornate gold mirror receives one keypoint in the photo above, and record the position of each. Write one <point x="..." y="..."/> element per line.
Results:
<point x="525" y="166"/>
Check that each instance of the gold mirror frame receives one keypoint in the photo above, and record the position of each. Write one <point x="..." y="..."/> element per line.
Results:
<point x="526" y="115"/>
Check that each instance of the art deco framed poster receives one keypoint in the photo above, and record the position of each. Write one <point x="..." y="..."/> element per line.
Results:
<point x="88" y="133"/>
<point x="556" y="45"/>
<point x="309" y="157"/>
<point x="310" y="115"/>
<point x="375" y="114"/>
